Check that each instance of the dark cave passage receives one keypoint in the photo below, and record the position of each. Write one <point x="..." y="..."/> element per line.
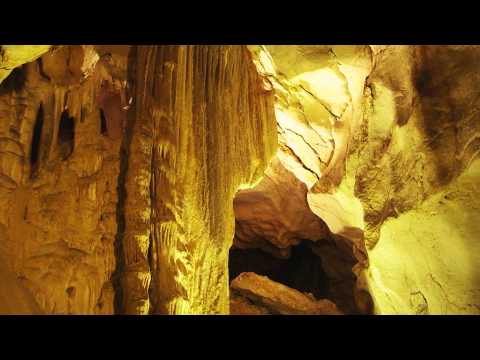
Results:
<point x="322" y="270"/>
<point x="302" y="271"/>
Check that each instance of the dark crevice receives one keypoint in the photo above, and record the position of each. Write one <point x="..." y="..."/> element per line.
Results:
<point x="301" y="271"/>
<point x="71" y="291"/>
<point x="103" y="123"/>
<point x="82" y="114"/>
<point x="120" y="211"/>
<point x="36" y="141"/>
<point x="66" y="135"/>
<point x="15" y="81"/>
<point x="322" y="270"/>
<point x="41" y="71"/>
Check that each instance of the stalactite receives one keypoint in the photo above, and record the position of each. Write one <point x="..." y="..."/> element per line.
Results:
<point x="189" y="158"/>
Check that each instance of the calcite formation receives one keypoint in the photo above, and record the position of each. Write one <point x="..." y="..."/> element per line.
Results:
<point x="190" y="153"/>
<point x="58" y="192"/>
<point x="128" y="174"/>
<point x="118" y="170"/>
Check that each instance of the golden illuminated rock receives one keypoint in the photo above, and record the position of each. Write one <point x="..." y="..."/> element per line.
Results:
<point x="58" y="187"/>
<point x="402" y="124"/>
<point x="275" y="215"/>
<point x="278" y="298"/>
<point x="128" y="172"/>
<point x="426" y="259"/>
<point x="319" y="107"/>
<point x="418" y="184"/>
<point x="12" y="56"/>
<point x="190" y="153"/>
<point x="118" y="168"/>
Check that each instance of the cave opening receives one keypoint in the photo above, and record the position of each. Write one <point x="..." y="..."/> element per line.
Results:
<point x="36" y="139"/>
<point x="66" y="135"/>
<point x="320" y="269"/>
<point x="302" y="270"/>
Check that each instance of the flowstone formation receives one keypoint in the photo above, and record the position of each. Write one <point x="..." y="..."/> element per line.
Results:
<point x="118" y="167"/>
<point x="247" y="180"/>
<point x="190" y="153"/>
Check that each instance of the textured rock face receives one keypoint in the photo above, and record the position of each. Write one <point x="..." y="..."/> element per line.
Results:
<point x="118" y="167"/>
<point x="376" y="134"/>
<point x="426" y="259"/>
<point x="275" y="215"/>
<point x="240" y="305"/>
<point x="190" y="154"/>
<point x="58" y="190"/>
<point x="304" y="196"/>
<point x="421" y="200"/>
<point x="12" y="56"/>
<point x="254" y="294"/>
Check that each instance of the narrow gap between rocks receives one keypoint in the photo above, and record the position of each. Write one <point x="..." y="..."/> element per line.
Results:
<point x="36" y="140"/>
<point x="66" y="135"/>
<point x="103" y="123"/>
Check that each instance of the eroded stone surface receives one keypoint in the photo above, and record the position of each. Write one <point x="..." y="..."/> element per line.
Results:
<point x="278" y="298"/>
<point x="118" y="167"/>
<point x="369" y="138"/>
<point x="402" y="124"/>
<point x="275" y="215"/>
<point x="240" y="305"/>
<point x="190" y="154"/>
<point x="59" y="190"/>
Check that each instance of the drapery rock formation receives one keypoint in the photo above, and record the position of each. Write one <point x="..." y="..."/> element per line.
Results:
<point x="58" y="190"/>
<point x="128" y="172"/>
<point x="118" y="171"/>
<point x="190" y="153"/>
